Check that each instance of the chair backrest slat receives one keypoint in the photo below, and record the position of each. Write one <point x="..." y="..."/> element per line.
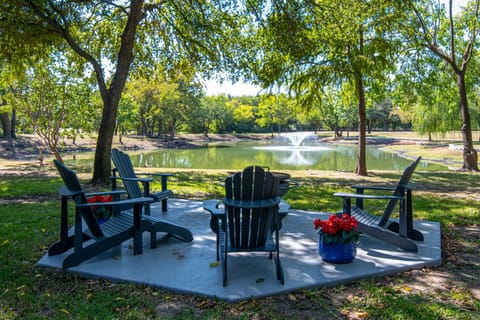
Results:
<point x="125" y="168"/>
<point x="399" y="190"/>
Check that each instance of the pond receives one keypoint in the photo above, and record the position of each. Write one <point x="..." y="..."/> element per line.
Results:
<point x="235" y="156"/>
<point x="240" y="155"/>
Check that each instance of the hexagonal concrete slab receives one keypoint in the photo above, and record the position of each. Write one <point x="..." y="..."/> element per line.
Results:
<point x="187" y="267"/>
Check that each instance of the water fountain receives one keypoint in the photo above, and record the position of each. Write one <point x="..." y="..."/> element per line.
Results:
<point x="290" y="148"/>
<point x="297" y="138"/>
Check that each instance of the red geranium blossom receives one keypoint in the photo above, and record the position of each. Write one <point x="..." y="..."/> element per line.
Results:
<point x="338" y="229"/>
<point x="104" y="211"/>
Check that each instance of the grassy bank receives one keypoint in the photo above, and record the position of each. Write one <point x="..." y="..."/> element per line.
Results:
<point x="29" y="218"/>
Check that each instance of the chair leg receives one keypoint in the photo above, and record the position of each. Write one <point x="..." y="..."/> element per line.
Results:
<point x="224" y="267"/>
<point x="218" y="247"/>
<point x="413" y="234"/>
<point x="279" y="269"/>
<point x="153" y="239"/>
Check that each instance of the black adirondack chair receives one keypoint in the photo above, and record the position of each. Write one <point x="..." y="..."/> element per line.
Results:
<point x="399" y="233"/>
<point x="120" y="227"/>
<point x="124" y="166"/>
<point x="250" y="221"/>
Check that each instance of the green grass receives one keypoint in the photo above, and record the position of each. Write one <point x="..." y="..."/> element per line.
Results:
<point x="29" y="226"/>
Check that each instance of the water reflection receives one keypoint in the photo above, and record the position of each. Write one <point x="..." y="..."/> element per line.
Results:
<point x="239" y="155"/>
<point x="236" y="156"/>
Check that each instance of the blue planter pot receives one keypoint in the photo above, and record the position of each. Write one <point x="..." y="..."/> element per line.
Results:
<point x="102" y="220"/>
<point x="337" y="252"/>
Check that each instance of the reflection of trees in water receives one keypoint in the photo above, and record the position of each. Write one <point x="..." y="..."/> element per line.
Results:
<point x="331" y="157"/>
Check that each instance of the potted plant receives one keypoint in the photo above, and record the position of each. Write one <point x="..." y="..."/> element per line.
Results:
<point x="102" y="213"/>
<point x="338" y="238"/>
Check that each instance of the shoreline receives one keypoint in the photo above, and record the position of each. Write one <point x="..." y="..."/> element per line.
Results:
<point x="27" y="146"/>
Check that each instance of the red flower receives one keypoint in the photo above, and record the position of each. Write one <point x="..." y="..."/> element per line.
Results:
<point x="338" y="229"/>
<point x="101" y="212"/>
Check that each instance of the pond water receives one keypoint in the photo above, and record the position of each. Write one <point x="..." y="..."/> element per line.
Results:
<point x="240" y="155"/>
<point x="235" y="156"/>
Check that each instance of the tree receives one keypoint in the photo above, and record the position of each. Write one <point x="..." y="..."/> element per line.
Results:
<point x="107" y="35"/>
<point x="53" y="100"/>
<point x="453" y="40"/>
<point x="306" y="45"/>
<point x="275" y="110"/>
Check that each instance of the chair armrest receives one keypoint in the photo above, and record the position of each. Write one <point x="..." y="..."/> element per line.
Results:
<point x="103" y="193"/>
<point x="212" y="207"/>
<point x="164" y="178"/>
<point x="373" y="188"/>
<point x="115" y="203"/>
<point x="156" y="174"/>
<point x="365" y="196"/>
<point x="142" y="180"/>
<point x="65" y="192"/>
<point x="255" y="204"/>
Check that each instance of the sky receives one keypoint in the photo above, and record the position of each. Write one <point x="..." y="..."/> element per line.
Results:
<point x="244" y="89"/>
<point x="237" y="89"/>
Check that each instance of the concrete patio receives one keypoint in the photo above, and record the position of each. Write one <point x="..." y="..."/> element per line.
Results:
<point x="187" y="267"/>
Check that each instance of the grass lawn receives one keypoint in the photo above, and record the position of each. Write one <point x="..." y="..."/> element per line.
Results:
<point x="29" y="223"/>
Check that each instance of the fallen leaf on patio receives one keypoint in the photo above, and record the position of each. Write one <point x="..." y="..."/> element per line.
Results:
<point x="43" y="247"/>
<point x="4" y="243"/>
<point x="291" y="297"/>
<point x="214" y="264"/>
<point x="260" y="280"/>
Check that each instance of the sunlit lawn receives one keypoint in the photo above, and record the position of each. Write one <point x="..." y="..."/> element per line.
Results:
<point x="29" y="224"/>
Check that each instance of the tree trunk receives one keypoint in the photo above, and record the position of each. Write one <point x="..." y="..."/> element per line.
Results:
<point x="172" y="130"/>
<point x="102" y="164"/>
<point x="7" y="133"/>
<point x="362" y="141"/>
<point x="13" y="125"/>
<point x="470" y="158"/>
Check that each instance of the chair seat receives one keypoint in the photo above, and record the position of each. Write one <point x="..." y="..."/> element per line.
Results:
<point x="268" y="247"/>
<point x="122" y="222"/>
<point x="365" y="217"/>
